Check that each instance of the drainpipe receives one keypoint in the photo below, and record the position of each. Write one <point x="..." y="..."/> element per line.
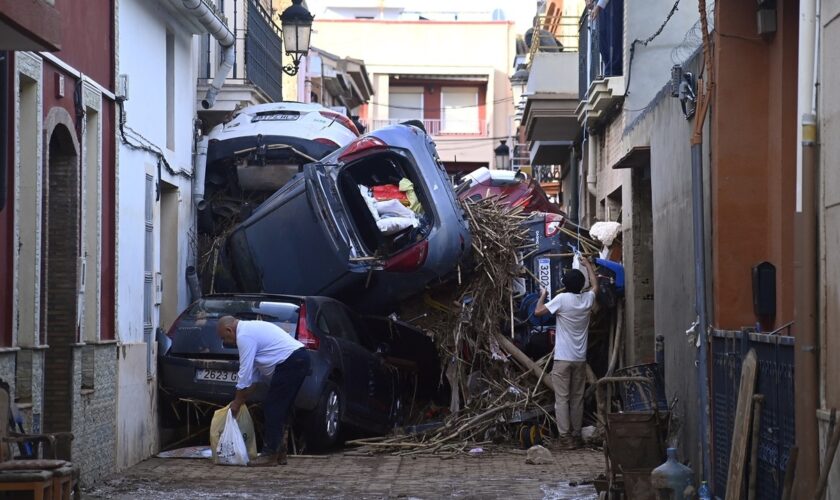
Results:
<point x="225" y="37"/>
<point x="591" y="167"/>
<point x="698" y="207"/>
<point x="200" y="171"/>
<point x="806" y="354"/>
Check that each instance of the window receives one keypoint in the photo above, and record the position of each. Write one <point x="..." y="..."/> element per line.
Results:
<point x="460" y="110"/>
<point x="405" y="103"/>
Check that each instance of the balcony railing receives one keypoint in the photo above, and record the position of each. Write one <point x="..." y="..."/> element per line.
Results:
<point x="591" y="38"/>
<point x="440" y="127"/>
<point x="549" y="29"/>
<point x="263" y="47"/>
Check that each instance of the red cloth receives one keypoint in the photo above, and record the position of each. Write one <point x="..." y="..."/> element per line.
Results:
<point x="388" y="192"/>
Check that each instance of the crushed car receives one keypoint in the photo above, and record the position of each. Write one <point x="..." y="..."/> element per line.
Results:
<point x="371" y="224"/>
<point x="356" y="362"/>
<point x="256" y="151"/>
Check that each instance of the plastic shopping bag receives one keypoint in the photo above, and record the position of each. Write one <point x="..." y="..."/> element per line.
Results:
<point x="231" y="449"/>
<point x="246" y="428"/>
<point x="577" y="265"/>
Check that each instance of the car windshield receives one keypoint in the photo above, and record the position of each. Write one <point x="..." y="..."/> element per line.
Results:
<point x="196" y="328"/>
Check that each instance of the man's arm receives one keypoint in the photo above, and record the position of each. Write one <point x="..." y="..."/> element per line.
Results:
<point x="541" y="310"/>
<point x="247" y="351"/>
<point x="593" y="278"/>
<point x="597" y="7"/>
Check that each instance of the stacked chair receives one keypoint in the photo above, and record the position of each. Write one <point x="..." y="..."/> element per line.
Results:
<point x="28" y="462"/>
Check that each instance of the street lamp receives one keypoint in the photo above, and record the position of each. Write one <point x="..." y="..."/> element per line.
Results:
<point x="296" y="25"/>
<point x="502" y="155"/>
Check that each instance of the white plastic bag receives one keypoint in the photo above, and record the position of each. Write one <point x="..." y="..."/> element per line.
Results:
<point x="577" y="265"/>
<point x="232" y="449"/>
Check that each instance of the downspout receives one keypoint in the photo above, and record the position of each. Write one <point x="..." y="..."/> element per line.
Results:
<point x="806" y="354"/>
<point x="699" y="228"/>
<point x="224" y="36"/>
<point x="591" y="167"/>
<point x="200" y="172"/>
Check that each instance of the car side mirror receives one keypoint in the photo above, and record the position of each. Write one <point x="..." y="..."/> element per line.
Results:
<point x="383" y="349"/>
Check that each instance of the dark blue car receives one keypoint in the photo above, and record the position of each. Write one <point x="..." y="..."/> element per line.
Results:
<point x="353" y="380"/>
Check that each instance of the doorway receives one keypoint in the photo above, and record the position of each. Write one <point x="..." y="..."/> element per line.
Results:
<point x="60" y="283"/>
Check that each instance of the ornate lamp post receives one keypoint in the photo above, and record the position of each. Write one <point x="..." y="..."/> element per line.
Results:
<point x="296" y="25"/>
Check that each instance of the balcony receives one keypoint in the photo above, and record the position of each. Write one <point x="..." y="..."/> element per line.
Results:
<point x="600" y="72"/>
<point x="257" y="72"/>
<point x="552" y="93"/>
<point x="441" y="128"/>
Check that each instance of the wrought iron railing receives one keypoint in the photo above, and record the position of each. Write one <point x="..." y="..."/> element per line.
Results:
<point x="440" y="127"/>
<point x="263" y="46"/>
<point x="553" y="34"/>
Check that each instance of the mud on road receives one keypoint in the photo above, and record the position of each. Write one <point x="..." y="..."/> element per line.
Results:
<point x="500" y="473"/>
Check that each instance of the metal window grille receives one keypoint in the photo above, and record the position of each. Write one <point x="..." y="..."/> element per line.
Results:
<point x="148" y="272"/>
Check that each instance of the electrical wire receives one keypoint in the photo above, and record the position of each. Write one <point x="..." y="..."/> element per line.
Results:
<point x="646" y="41"/>
<point x="414" y="108"/>
<point x="140" y="143"/>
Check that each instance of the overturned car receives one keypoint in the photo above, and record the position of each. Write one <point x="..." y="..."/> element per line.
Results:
<point x="258" y="150"/>
<point x="371" y="224"/>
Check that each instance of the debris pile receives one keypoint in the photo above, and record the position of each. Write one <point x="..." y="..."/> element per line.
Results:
<point x="493" y="384"/>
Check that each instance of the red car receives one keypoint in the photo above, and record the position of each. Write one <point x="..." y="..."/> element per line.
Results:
<point x="513" y="188"/>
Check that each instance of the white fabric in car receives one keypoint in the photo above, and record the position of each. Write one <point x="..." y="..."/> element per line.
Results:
<point x="391" y="225"/>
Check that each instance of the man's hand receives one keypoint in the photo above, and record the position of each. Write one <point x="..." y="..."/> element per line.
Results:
<point x="234" y="407"/>
<point x="595" y="11"/>
<point x="540" y="309"/>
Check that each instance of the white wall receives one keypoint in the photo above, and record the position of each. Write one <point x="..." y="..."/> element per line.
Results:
<point x="142" y="56"/>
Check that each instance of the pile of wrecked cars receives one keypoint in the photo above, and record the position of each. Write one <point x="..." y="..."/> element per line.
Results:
<point x="326" y="240"/>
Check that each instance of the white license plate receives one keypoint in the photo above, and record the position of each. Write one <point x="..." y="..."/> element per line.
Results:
<point x="217" y="376"/>
<point x="544" y="273"/>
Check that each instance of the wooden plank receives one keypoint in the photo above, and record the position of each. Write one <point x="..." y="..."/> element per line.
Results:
<point x="741" y="432"/>
<point x="758" y="402"/>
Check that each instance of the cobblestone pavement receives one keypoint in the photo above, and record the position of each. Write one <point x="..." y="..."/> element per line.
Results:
<point x="493" y="474"/>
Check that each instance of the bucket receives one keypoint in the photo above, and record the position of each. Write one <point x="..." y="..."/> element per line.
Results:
<point x="638" y="396"/>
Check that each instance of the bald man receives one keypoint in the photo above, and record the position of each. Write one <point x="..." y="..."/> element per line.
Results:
<point x="266" y="352"/>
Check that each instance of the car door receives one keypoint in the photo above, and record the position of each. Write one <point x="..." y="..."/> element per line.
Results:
<point x="353" y="360"/>
<point x="368" y="382"/>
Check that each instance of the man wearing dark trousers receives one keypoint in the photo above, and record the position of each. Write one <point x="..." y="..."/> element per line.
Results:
<point x="267" y="352"/>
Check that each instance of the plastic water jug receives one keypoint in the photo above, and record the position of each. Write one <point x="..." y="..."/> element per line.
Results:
<point x="672" y="480"/>
<point x="704" y="493"/>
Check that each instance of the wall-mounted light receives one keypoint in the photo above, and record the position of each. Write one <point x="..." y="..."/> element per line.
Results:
<point x="296" y="25"/>
<point x="502" y="152"/>
<point x="682" y="87"/>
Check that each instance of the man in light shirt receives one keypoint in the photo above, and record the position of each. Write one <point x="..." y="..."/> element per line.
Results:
<point x="608" y="15"/>
<point x="572" y="309"/>
<point x="266" y="352"/>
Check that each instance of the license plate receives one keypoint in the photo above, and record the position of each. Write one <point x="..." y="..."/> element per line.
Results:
<point x="544" y="273"/>
<point x="217" y="376"/>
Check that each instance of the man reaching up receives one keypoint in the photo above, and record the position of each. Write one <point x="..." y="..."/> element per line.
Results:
<point x="572" y="309"/>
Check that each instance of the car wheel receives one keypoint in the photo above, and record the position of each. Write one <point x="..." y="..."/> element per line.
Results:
<point x="324" y="426"/>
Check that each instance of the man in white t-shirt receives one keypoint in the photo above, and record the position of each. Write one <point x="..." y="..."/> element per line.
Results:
<point x="572" y="309"/>
<point x="266" y="352"/>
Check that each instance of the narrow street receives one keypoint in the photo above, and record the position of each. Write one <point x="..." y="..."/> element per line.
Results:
<point x="497" y="474"/>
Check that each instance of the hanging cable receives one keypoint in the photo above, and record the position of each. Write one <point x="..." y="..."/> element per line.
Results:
<point x="139" y="143"/>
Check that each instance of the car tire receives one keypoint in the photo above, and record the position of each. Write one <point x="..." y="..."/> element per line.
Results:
<point x="324" y="423"/>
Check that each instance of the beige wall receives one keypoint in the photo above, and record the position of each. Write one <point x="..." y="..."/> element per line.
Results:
<point x="434" y="48"/>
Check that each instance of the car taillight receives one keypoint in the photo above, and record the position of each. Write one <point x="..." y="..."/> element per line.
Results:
<point x="327" y="142"/>
<point x="347" y="122"/>
<point x="362" y="145"/>
<point x="553" y="223"/>
<point x="410" y="259"/>
<point x="304" y="335"/>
